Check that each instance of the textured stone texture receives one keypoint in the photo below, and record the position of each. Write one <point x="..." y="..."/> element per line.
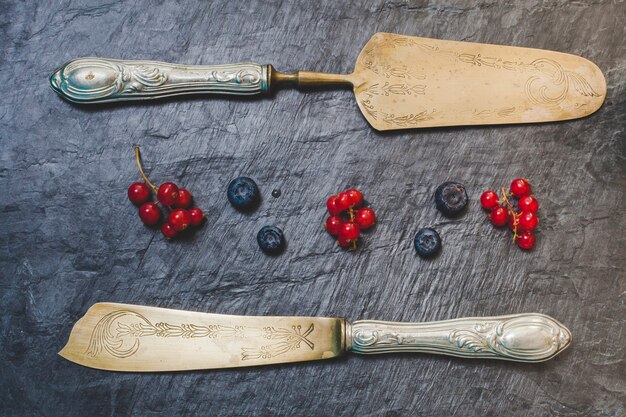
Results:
<point x="70" y="238"/>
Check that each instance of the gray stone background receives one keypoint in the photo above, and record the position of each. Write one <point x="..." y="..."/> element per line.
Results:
<point x="70" y="238"/>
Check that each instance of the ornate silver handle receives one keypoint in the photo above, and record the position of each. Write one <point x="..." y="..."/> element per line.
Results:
<point x="97" y="80"/>
<point x="528" y="337"/>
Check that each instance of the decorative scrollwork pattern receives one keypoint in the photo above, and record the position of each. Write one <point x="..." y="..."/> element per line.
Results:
<point x="386" y="70"/>
<point x="120" y="338"/>
<point x="90" y="80"/>
<point x="288" y="340"/>
<point x="551" y="86"/>
<point x="410" y="119"/>
<point x="398" y="89"/>
<point x="523" y="337"/>
<point x="542" y="81"/>
<point x="119" y="332"/>
<point x="503" y="112"/>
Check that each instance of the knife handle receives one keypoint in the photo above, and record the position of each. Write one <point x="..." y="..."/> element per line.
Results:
<point x="98" y="80"/>
<point x="527" y="337"/>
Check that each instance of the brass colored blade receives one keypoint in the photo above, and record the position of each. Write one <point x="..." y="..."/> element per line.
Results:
<point x="403" y="82"/>
<point x="123" y="337"/>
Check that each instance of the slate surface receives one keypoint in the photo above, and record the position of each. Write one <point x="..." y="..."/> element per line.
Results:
<point x="70" y="238"/>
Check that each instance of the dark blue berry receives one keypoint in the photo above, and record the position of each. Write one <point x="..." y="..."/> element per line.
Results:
<point x="451" y="198"/>
<point x="427" y="242"/>
<point x="243" y="193"/>
<point x="271" y="240"/>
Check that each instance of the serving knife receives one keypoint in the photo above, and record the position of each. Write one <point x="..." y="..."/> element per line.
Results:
<point x="399" y="82"/>
<point x="133" y="338"/>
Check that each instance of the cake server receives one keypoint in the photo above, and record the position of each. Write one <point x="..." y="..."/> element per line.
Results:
<point x="399" y="82"/>
<point x="133" y="338"/>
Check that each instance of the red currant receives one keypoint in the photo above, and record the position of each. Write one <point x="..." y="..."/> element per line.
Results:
<point x="333" y="225"/>
<point x="168" y="230"/>
<point x="196" y="216"/>
<point x="331" y="205"/>
<point x="528" y="221"/>
<point x="349" y="232"/>
<point x="150" y="213"/>
<point x="138" y="193"/>
<point x="526" y="240"/>
<point x="355" y="197"/>
<point x="342" y="242"/>
<point x="489" y="199"/>
<point x="528" y="203"/>
<point x="499" y="216"/>
<point x="344" y="201"/>
<point x="179" y="219"/>
<point x="167" y="194"/>
<point x="184" y="199"/>
<point x="365" y="218"/>
<point x="520" y="187"/>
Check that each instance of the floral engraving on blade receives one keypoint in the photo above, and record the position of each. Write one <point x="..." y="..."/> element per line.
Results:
<point x="550" y="86"/>
<point x="503" y="112"/>
<point x="398" y="89"/>
<point x="401" y="41"/>
<point x="547" y="83"/>
<point x="412" y="119"/>
<point x="287" y="340"/>
<point x="118" y="333"/>
<point x="389" y="71"/>
<point x="552" y="83"/>
<point x="539" y="91"/>
<point x="402" y="87"/>
<point x="406" y="120"/>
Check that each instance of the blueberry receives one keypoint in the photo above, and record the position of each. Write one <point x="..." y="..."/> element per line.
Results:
<point x="427" y="242"/>
<point x="243" y="193"/>
<point x="271" y="240"/>
<point x="451" y="198"/>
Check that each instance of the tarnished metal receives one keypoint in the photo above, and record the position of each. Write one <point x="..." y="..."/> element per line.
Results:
<point x="407" y="82"/>
<point x="400" y="82"/>
<point x="123" y="337"/>
<point x="98" y="80"/>
<point x="527" y="337"/>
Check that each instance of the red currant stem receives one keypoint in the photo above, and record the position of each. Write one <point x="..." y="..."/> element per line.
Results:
<point x="512" y="212"/>
<point x="138" y="160"/>
<point x="353" y="243"/>
<point x="504" y="197"/>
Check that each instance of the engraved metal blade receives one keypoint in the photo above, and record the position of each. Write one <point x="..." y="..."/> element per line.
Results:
<point x="121" y="337"/>
<point x="403" y="82"/>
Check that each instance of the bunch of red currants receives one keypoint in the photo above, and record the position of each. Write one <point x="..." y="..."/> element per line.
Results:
<point x="519" y="212"/>
<point x="348" y="217"/>
<point x="177" y="200"/>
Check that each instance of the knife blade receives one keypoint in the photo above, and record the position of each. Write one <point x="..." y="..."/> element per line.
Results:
<point x="399" y="82"/>
<point x="133" y="338"/>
